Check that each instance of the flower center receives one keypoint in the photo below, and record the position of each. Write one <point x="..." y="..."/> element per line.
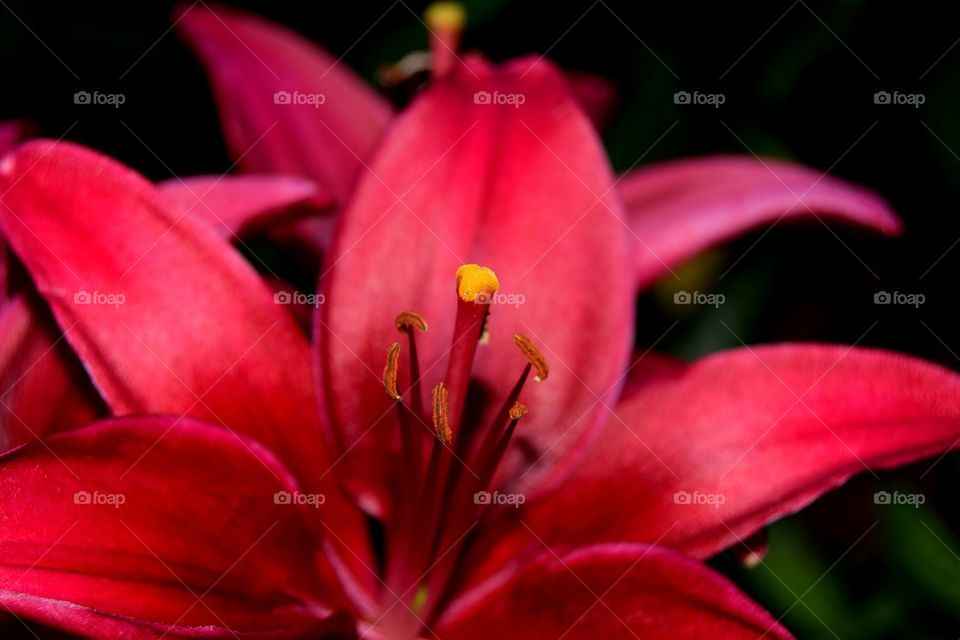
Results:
<point x="447" y="464"/>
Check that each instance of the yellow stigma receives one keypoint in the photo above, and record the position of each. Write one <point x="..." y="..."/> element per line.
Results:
<point x="445" y="16"/>
<point x="476" y="284"/>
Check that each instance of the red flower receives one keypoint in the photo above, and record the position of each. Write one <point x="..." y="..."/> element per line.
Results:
<point x="219" y="502"/>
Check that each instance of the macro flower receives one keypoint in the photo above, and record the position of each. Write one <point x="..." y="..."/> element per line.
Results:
<point x="464" y="445"/>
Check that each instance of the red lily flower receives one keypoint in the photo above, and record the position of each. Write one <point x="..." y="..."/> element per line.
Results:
<point x="211" y="505"/>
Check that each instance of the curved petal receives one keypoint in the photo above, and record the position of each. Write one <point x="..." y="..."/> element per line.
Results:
<point x="239" y="205"/>
<point x="610" y="591"/>
<point x="43" y="388"/>
<point x="170" y="522"/>
<point x="73" y="621"/>
<point x="165" y="315"/>
<point x="521" y="188"/>
<point x="703" y="460"/>
<point x="286" y="105"/>
<point x="680" y="208"/>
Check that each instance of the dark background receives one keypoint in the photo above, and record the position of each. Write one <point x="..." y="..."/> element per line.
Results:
<point x="798" y="79"/>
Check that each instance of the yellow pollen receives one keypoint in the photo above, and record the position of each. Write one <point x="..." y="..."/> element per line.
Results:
<point x="409" y="319"/>
<point x="445" y="16"/>
<point x="390" y="371"/>
<point x="441" y="424"/>
<point x="533" y="355"/>
<point x="476" y="284"/>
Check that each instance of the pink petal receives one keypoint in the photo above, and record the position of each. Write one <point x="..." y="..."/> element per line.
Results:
<point x="254" y="65"/>
<point x="610" y="591"/>
<point x="523" y="191"/>
<point x="130" y="522"/>
<point x="196" y="331"/>
<point x="678" y="209"/>
<point x="240" y="205"/>
<point x="43" y="388"/>
<point x="730" y="435"/>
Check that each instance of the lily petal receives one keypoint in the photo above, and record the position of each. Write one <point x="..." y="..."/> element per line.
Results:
<point x="610" y="591"/>
<point x="680" y="208"/>
<point x="166" y="316"/>
<point x="523" y="189"/>
<point x="43" y="387"/>
<point x="261" y="74"/>
<point x="165" y="521"/>
<point x="703" y="460"/>
<point x="241" y="205"/>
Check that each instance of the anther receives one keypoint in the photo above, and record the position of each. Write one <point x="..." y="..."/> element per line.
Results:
<point x="441" y="424"/>
<point x="390" y="371"/>
<point x="533" y="355"/>
<point x="517" y="411"/>
<point x="407" y="320"/>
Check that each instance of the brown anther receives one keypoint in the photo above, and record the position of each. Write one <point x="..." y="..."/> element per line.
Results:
<point x="390" y="371"/>
<point x="408" y="319"/>
<point x="533" y="355"/>
<point x="517" y="411"/>
<point x="441" y="424"/>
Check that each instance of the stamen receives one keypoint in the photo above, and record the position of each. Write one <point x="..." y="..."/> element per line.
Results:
<point x="390" y="371"/>
<point x="517" y="411"/>
<point x="441" y="425"/>
<point x="533" y="356"/>
<point x="407" y="320"/>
